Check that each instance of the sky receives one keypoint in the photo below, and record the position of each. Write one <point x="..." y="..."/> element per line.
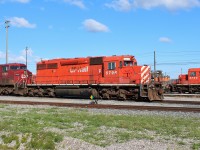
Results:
<point x="80" y="28"/>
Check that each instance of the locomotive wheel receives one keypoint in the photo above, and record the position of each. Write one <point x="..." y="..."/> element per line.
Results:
<point x="7" y="91"/>
<point x="106" y="96"/>
<point x="30" y="93"/>
<point x="1" y="91"/>
<point x="40" y="94"/>
<point x="51" y="94"/>
<point x="121" y="94"/>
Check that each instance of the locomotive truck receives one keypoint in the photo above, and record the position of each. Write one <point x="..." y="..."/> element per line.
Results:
<point x="106" y="77"/>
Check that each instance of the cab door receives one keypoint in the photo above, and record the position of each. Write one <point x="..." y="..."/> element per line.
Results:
<point x="111" y="72"/>
<point x="4" y="74"/>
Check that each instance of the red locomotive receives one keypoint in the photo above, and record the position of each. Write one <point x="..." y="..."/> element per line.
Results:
<point x="13" y="78"/>
<point x="107" y="77"/>
<point x="187" y="82"/>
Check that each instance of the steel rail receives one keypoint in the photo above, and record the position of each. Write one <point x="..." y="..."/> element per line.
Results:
<point x="103" y="106"/>
<point x="179" y="102"/>
<point x="182" y="95"/>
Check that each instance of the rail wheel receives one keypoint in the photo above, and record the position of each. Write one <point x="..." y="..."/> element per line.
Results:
<point x="122" y="94"/>
<point x="50" y="92"/>
<point x="31" y="93"/>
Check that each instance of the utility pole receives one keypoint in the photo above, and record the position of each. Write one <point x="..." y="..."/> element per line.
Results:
<point x="154" y="64"/>
<point x="7" y="26"/>
<point x="26" y="56"/>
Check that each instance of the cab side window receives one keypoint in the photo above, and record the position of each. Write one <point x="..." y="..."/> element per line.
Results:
<point x="125" y="63"/>
<point x="4" y="69"/>
<point x="120" y="64"/>
<point x="111" y="66"/>
<point x="193" y="74"/>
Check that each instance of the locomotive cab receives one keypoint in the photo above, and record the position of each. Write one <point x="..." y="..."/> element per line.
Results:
<point x="124" y="70"/>
<point x="133" y="73"/>
<point x="118" y="69"/>
<point x="194" y="76"/>
<point x="183" y="79"/>
<point x="13" y="73"/>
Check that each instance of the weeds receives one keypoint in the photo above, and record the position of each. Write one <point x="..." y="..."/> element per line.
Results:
<point x="196" y="146"/>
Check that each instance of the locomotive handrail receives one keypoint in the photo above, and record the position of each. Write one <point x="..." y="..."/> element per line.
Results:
<point x="20" y="82"/>
<point x="68" y="82"/>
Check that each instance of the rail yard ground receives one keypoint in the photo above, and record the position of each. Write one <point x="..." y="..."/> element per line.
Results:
<point x="47" y="127"/>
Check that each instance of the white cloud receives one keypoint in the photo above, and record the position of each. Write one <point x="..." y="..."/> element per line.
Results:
<point x="21" y="1"/>
<point x="18" y="59"/>
<point x="168" y="4"/>
<point x="18" y="1"/>
<point x="125" y="5"/>
<point x="121" y="5"/>
<point x="21" y="23"/>
<point x="165" y="40"/>
<point x="78" y="3"/>
<point x="92" y="25"/>
<point x="12" y="58"/>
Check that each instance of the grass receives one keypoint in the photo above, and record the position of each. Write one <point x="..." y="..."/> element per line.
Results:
<point x="196" y="146"/>
<point x="44" y="140"/>
<point x="33" y="127"/>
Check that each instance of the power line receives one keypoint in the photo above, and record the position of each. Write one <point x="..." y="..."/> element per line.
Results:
<point x="179" y="52"/>
<point x="178" y="63"/>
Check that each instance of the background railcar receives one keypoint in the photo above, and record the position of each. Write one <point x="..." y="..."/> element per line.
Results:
<point x="13" y="76"/>
<point x="189" y="83"/>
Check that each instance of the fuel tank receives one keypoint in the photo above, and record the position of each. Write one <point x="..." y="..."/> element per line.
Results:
<point x="76" y="93"/>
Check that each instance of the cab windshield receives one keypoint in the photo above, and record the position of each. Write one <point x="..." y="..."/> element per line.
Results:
<point x="17" y="67"/>
<point x="128" y="63"/>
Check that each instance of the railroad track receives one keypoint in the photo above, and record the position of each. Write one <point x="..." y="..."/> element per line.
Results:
<point x="105" y="106"/>
<point x="182" y="95"/>
<point x="179" y="102"/>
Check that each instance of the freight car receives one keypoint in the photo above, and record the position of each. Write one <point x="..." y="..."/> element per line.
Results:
<point x="106" y="77"/>
<point x="187" y="83"/>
